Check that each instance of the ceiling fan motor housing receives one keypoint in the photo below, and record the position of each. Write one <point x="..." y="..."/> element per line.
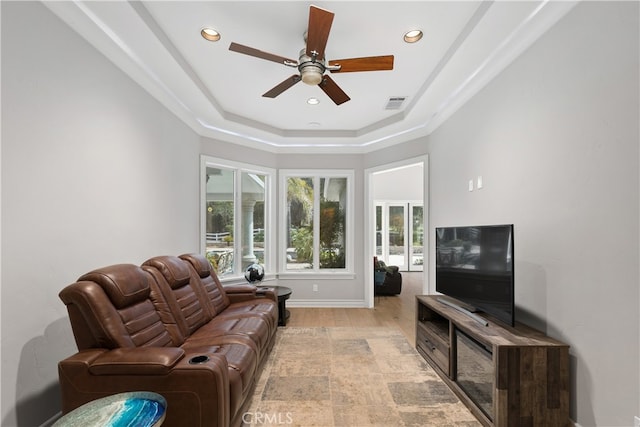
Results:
<point x="311" y="69"/>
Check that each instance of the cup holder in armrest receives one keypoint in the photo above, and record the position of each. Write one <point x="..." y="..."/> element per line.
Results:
<point x="196" y="360"/>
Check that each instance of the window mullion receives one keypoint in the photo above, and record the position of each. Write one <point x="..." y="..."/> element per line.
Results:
<point x="237" y="213"/>
<point x="316" y="223"/>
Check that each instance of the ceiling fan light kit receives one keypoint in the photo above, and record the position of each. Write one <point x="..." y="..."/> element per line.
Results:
<point x="311" y="75"/>
<point x="312" y="64"/>
<point x="311" y="69"/>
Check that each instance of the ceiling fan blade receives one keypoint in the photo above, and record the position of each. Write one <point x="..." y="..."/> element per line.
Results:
<point x="371" y="63"/>
<point x="235" y="47"/>
<point x="334" y="92"/>
<point x="320" y="21"/>
<point x="282" y="86"/>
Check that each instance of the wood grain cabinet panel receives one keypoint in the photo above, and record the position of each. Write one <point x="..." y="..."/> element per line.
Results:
<point x="528" y="372"/>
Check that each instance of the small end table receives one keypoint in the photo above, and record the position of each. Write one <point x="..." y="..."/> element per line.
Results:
<point x="284" y="294"/>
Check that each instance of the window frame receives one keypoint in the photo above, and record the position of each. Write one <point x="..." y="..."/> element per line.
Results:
<point x="340" y="273"/>
<point x="270" y="237"/>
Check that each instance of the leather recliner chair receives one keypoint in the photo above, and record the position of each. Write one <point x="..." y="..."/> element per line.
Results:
<point x="387" y="279"/>
<point x="168" y="327"/>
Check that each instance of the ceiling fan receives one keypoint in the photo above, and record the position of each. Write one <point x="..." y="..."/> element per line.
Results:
<point x="312" y="63"/>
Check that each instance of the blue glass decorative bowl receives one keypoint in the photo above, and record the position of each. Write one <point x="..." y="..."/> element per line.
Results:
<point x="132" y="409"/>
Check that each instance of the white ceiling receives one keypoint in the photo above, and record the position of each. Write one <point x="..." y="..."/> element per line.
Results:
<point x="218" y="93"/>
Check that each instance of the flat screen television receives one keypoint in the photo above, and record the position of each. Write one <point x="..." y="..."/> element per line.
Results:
<point x="474" y="265"/>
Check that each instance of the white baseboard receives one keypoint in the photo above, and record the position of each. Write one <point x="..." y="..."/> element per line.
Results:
<point x="330" y="303"/>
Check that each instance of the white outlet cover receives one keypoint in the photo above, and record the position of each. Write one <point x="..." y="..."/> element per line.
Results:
<point x="470" y="185"/>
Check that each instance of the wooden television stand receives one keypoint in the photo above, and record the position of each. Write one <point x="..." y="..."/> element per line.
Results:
<point x="507" y="376"/>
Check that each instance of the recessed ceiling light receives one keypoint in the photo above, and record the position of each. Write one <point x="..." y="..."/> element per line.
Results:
<point x="210" y="34"/>
<point x="412" y="36"/>
<point x="313" y="101"/>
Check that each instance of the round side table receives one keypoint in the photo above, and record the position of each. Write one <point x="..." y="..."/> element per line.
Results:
<point x="284" y="294"/>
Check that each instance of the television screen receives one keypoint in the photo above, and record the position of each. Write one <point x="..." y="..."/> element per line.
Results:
<point x="475" y="266"/>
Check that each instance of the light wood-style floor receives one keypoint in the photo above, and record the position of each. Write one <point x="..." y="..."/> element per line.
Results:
<point x="396" y="311"/>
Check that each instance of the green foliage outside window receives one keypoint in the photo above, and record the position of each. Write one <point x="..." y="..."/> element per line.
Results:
<point x="302" y="240"/>
<point x="331" y="218"/>
<point x="332" y="221"/>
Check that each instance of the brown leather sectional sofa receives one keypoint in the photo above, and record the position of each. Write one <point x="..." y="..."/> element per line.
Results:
<point x="170" y="327"/>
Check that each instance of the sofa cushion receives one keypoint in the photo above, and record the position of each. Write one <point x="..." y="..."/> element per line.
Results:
<point x="258" y="307"/>
<point x="253" y="327"/>
<point x="125" y="284"/>
<point x="201" y="267"/>
<point x="178" y="294"/>
<point x="111" y="307"/>
<point x="261" y="307"/>
<point x="172" y="269"/>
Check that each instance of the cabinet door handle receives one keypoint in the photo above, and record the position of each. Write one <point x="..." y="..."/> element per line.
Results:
<point x="430" y="344"/>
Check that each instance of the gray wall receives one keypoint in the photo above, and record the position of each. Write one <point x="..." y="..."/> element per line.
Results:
<point x="403" y="184"/>
<point x="555" y="138"/>
<point x="94" y="172"/>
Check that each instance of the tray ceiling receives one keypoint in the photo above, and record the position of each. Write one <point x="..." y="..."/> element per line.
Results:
<point x="218" y="93"/>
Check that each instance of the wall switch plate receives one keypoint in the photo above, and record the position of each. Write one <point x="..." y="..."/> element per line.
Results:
<point x="479" y="186"/>
<point x="315" y="287"/>
<point x="470" y="185"/>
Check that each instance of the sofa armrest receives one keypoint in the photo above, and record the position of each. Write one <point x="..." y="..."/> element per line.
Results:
<point x="196" y="393"/>
<point x="268" y="292"/>
<point x="241" y="288"/>
<point x="240" y="292"/>
<point x="139" y="360"/>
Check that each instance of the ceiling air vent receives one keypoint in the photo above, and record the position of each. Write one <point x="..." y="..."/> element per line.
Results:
<point x="395" y="102"/>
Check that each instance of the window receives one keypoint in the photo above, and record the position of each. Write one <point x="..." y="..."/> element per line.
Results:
<point x="400" y="234"/>
<point x="236" y="214"/>
<point x="317" y="227"/>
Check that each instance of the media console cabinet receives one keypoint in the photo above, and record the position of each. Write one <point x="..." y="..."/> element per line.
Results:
<point x="507" y="376"/>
